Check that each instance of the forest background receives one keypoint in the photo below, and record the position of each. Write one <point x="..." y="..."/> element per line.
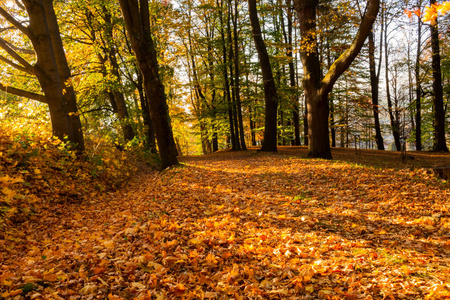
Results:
<point x="212" y="77"/>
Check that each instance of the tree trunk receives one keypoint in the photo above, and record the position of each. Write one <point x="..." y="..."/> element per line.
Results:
<point x="136" y="16"/>
<point x="270" y="91"/>
<point x="233" y="85"/>
<point x="122" y="110"/>
<point x="317" y="90"/>
<point x="293" y="84"/>
<point x="150" y="142"/>
<point x="52" y="71"/>
<point x="64" y="73"/>
<point x="316" y="103"/>
<point x="374" y="85"/>
<point x="418" y="86"/>
<point x="394" y="124"/>
<point x="438" y="98"/>
<point x="226" y="80"/>
<point x="237" y="77"/>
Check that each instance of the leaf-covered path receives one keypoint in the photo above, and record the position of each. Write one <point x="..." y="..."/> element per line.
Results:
<point x="243" y="225"/>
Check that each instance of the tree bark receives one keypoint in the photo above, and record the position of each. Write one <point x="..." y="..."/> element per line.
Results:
<point x="226" y="80"/>
<point x="136" y="16"/>
<point x="374" y="85"/>
<point x="293" y="83"/>
<point x="237" y="77"/>
<point x="394" y="121"/>
<point x="418" y="86"/>
<point x="121" y="107"/>
<point x="232" y="78"/>
<point x="53" y="72"/>
<point x="317" y="89"/>
<point x="270" y="91"/>
<point x="438" y="98"/>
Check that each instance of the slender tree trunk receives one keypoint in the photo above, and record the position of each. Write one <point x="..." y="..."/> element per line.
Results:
<point x="438" y="98"/>
<point x="305" y="125"/>
<point x="418" y="86"/>
<point x="150" y="130"/>
<point x="374" y="85"/>
<point x="122" y="110"/>
<point x="270" y="91"/>
<point x="292" y="82"/>
<point x="136" y="16"/>
<point x="394" y="124"/>
<point x="116" y="95"/>
<point x="232" y="78"/>
<point x="237" y="77"/>
<point x="225" y="76"/>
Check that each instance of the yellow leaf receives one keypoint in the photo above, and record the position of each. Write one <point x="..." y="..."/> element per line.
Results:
<point x="88" y="289"/>
<point x="138" y="285"/>
<point x="108" y="244"/>
<point x="309" y="288"/>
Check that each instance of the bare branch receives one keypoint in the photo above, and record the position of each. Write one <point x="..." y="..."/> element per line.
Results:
<point x="14" y="22"/>
<point x="18" y="49"/>
<point x="23" y="93"/>
<point x="23" y="62"/>
<point x="19" y="4"/>
<point x="14" y="65"/>
<point x="7" y="28"/>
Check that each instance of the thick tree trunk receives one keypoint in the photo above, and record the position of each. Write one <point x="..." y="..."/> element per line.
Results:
<point x="317" y="105"/>
<point x="136" y="16"/>
<point x="52" y="71"/>
<point x="374" y="85"/>
<point x="317" y="90"/>
<point x="270" y="91"/>
<point x="64" y="73"/>
<point x="438" y="98"/>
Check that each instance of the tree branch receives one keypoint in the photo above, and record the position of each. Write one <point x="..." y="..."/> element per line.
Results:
<point x="14" y="22"/>
<point x="346" y="58"/>
<point x="15" y="55"/>
<point x="14" y="65"/>
<point x="18" y="49"/>
<point x="23" y="93"/>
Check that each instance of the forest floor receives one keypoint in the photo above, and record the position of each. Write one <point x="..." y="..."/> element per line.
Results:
<point x="244" y="225"/>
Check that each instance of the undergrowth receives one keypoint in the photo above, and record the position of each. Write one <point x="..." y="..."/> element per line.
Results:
<point x="36" y="168"/>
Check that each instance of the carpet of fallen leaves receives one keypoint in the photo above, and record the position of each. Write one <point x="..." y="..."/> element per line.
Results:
<point x="244" y="225"/>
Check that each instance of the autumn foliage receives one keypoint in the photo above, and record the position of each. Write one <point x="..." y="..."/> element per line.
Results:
<point x="37" y="168"/>
<point x="232" y="225"/>
<point x="431" y="12"/>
